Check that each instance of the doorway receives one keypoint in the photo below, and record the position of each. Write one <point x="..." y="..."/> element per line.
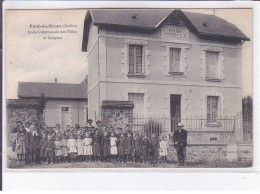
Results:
<point x="175" y="110"/>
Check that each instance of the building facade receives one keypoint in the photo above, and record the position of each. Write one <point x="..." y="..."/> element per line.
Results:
<point x="67" y="104"/>
<point x="168" y="62"/>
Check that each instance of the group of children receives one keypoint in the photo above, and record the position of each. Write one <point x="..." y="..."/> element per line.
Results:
<point x="45" y="145"/>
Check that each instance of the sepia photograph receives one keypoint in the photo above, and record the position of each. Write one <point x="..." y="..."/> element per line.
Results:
<point x="128" y="88"/>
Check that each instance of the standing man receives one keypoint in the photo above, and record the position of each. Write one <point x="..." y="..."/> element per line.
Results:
<point x="180" y="142"/>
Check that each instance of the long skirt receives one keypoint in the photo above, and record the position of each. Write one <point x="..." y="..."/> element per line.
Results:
<point x="113" y="150"/>
<point x="145" y="151"/>
<point x="80" y="151"/>
<point x="88" y="150"/>
<point x="64" y="151"/>
<point x="50" y="153"/>
<point x="97" y="149"/>
<point x="136" y="153"/>
<point x="106" y="151"/>
<point x="58" y="152"/>
<point x="43" y="152"/>
<point x="21" y="148"/>
<point x="121" y="150"/>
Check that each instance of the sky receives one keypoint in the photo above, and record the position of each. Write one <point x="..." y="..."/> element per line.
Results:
<point x="30" y="58"/>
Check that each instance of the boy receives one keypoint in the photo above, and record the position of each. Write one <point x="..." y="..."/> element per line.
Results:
<point x="50" y="149"/>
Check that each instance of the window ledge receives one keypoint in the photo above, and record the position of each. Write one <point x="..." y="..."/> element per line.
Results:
<point x="176" y="73"/>
<point x="213" y="124"/>
<point x="213" y="80"/>
<point x="137" y="75"/>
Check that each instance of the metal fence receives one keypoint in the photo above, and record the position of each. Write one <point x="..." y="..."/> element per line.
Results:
<point x="164" y="125"/>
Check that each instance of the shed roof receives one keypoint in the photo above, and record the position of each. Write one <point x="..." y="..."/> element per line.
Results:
<point x="53" y="90"/>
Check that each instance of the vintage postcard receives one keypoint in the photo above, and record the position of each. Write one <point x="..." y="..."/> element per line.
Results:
<point x="128" y="88"/>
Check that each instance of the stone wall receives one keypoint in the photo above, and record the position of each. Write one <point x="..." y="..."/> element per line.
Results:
<point x="19" y="110"/>
<point x="117" y="113"/>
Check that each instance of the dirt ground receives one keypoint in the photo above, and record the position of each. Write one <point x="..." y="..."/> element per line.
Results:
<point x="189" y="164"/>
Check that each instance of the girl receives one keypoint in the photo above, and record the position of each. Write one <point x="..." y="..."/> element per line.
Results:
<point x="20" y="144"/>
<point x="96" y="146"/>
<point x="129" y="147"/>
<point x="106" y="146"/>
<point x="58" y="149"/>
<point x="121" y="147"/>
<point x="164" y="149"/>
<point x="136" y="153"/>
<point x="145" y="148"/>
<point x="64" y="141"/>
<point x="42" y="145"/>
<point x="80" y="148"/>
<point x="87" y="143"/>
<point x="50" y="149"/>
<point x="72" y="148"/>
<point x="113" y="147"/>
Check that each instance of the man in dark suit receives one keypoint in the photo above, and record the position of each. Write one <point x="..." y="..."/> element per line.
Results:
<point x="180" y="142"/>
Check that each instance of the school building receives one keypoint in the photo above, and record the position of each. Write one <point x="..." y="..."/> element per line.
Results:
<point x="167" y="62"/>
<point x="67" y="104"/>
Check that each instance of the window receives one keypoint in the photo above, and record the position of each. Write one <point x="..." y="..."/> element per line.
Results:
<point x="136" y="59"/>
<point x="212" y="59"/>
<point x="65" y="117"/>
<point x="138" y="100"/>
<point x="175" y="59"/>
<point x="212" y="109"/>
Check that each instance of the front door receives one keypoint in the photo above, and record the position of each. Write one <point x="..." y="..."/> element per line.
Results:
<point x="65" y="117"/>
<point x="175" y="108"/>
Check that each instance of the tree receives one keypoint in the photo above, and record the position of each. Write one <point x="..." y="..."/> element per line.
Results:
<point x="85" y="81"/>
<point x="247" y="105"/>
<point x="42" y="101"/>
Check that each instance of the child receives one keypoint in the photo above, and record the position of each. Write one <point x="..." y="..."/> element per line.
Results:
<point x="164" y="149"/>
<point x="20" y="144"/>
<point x="113" y="147"/>
<point x="129" y="147"/>
<point x="106" y="146"/>
<point x="64" y="141"/>
<point x="50" y="149"/>
<point x="87" y="143"/>
<point x="58" y="150"/>
<point x="96" y="146"/>
<point x="121" y="147"/>
<point x="145" y="148"/>
<point x="42" y="146"/>
<point x="154" y="148"/>
<point x="136" y="153"/>
<point x="72" y="148"/>
<point x="80" y="148"/>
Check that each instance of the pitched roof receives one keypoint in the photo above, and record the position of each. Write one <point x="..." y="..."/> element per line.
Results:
<point x="213" y="25"/>
<point x="203" y="24"/>
<point x="53" y="90"/>
<point x="124" y="17"/>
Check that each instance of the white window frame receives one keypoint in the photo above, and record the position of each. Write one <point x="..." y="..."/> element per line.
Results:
<point x="183" y="58"/>
<point x="170" y="58"/>
<point x="218" y="107"/>
<point x="145" y="58"/>
<point x="135" y="64"/>
<point x="221" y="70"/>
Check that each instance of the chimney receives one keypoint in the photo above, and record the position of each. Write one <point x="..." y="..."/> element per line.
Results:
<point x="56" y="80"/>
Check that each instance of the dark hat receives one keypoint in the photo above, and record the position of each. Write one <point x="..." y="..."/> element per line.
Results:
<point x="19" y="122"/>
